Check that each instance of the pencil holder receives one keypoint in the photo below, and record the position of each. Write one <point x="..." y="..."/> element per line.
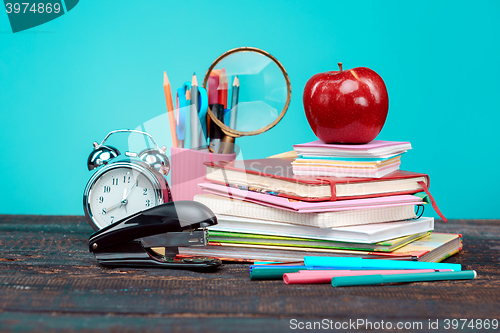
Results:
<point x="188" y="170"/>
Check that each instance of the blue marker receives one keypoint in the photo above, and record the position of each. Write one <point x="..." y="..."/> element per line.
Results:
<point x="360" y="263"/>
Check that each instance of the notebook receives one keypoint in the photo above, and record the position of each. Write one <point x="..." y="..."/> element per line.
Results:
<point x="366" y="234"/>
<point x="318" y="170"/>
<point x="242" y="209"/>
<point x="433" y="248"/>
<point x="309" y="166"/>
<point x="275" y="176"/>
<point x="310" y="206"/>
<point x="222" y="237"/>
<point x="375" y="148"/>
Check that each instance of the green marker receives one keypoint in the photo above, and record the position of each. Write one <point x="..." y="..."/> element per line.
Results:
<point x="275" y="273"/>
<point x="366" y="280"/>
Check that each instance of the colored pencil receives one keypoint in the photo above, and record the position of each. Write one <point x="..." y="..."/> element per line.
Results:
<point x="234" y="102"/>
<point x="170" y="109"/>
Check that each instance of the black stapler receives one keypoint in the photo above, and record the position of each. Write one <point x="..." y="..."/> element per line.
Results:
<point x="128" y="242"/>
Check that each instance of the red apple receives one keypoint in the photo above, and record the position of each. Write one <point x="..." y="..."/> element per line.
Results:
<point x="346" y="106"/>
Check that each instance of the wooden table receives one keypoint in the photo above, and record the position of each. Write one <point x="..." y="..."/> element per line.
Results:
<point x="49" y="281"/>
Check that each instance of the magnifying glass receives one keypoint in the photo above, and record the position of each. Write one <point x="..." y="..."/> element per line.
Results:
<point x="248" y="93"/>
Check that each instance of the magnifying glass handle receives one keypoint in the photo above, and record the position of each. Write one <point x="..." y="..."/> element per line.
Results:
<point x="227" y="145"/>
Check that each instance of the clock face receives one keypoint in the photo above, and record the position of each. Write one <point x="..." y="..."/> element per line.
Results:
<point x="118" y="193"/>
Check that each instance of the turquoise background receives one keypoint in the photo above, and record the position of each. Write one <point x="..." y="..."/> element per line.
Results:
<point x="70" y="81"/>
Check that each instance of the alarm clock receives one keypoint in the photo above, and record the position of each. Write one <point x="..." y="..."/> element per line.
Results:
<point x="123" y="186"/>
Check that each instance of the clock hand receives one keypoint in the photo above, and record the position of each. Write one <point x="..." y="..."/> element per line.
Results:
<point x="125" y="195"/>
<point x="135" y="183"/>
<point x="113" y="207"/>
<point x="124" y="200"/>
<point x="125" y="189"/>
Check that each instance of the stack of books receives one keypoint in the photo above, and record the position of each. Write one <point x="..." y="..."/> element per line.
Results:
<point x="266" y="212"/>
<point x="373" y="160"/>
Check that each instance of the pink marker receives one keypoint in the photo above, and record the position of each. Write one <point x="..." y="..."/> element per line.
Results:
<point x="317" y="276"/>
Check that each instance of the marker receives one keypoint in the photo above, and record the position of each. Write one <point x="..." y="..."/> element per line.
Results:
<point x="366" y="280"/>
<point x="216" y="108"/>
<point x="360" y="263"/>
<point x="222" y="89"/>
<point x="318" y="276"/>
<point x="274" y="273"/>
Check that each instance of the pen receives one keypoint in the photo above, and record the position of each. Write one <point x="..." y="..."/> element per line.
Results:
<point x="170" y="109"/>
<point x="202" y="115"/>
<point x="195" y="127"/>
<point x="343" y="281"/>
<point x="181" y="116"/>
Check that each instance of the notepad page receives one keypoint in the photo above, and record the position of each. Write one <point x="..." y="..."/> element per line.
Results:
<point x="386" y="186"/>
<point x="269" y="184"/>
<point x="221" y="205"/>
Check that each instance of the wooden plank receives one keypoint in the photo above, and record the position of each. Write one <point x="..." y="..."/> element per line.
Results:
<point x="47" y="272"/>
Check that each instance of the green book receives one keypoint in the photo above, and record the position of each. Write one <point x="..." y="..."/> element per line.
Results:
<point x="223" y="237"/>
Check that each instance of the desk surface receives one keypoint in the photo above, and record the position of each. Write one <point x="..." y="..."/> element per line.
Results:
<point x="49" y="280"/>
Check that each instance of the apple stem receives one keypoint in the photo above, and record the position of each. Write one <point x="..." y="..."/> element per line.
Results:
<point x="340" y="66"/>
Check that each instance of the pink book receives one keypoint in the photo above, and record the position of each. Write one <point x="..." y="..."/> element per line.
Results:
<point x="308" y="206"/>
<point x="320" y="276"/>
<point x="370" y="145"/>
